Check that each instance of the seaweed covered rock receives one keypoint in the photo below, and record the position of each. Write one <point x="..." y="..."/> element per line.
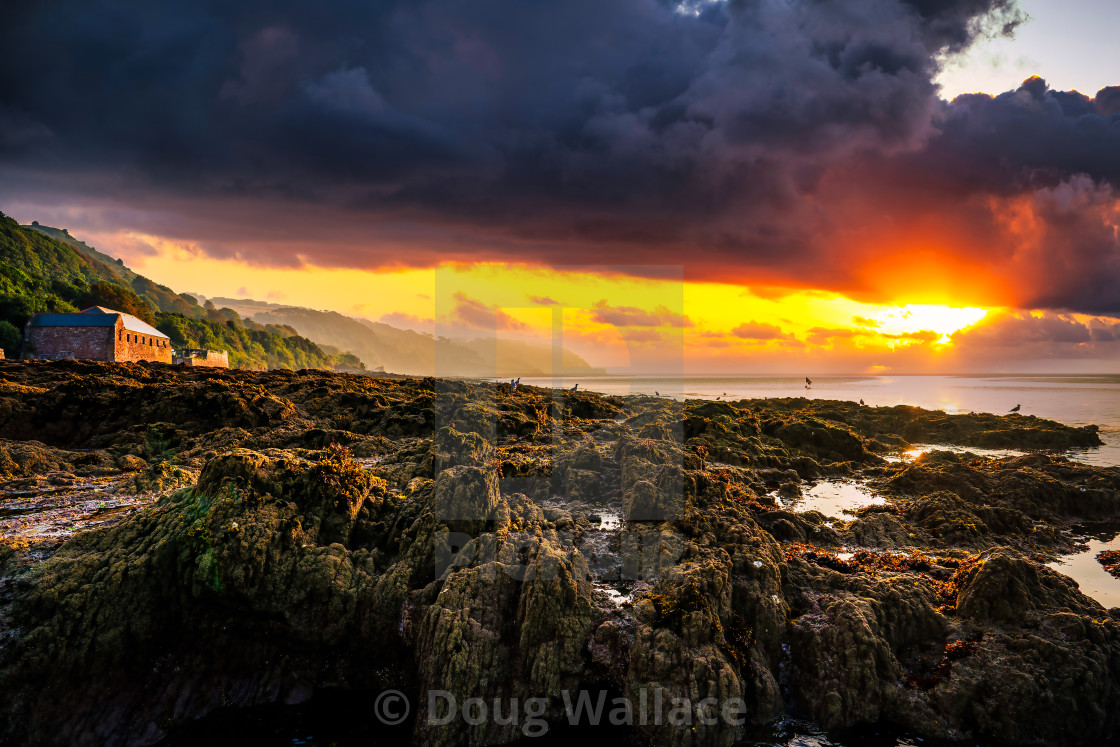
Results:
<point x="689" y="646"/>
<point x="466" y="499"/>
<point x="510" y="623"/>
<point x="845" y="668"/>
<point x="161" y="476"/>
<point x="1002" y="587"/>
<point x="820" y="439"/>
<point x="362" y="532"/>
<point x="902" y="424"/>
<point x="256" y="549"/>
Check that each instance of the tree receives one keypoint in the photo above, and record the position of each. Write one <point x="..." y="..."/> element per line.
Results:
<point x="118" y="298"/>
<point x="10" y="338"/>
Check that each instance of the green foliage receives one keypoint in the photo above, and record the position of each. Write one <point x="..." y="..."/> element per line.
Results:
<point x="119" y="298"/>
<point x="44" y="269"/>
<point x="158" y="297"/>
<point x="155" y="443"/>
<point x="249" y="345"/>
<point x="10" y="338"/>
<point x="38" y="274"/>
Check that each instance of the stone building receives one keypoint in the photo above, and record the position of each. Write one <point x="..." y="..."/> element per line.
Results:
<point x="208" y="358"/>
<point x="97" y="334"/>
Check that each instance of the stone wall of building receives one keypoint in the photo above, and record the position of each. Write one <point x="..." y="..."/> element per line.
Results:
<point x="133" y="346"/>
<point x="89" y="343"/>
<point x="96" y="343"/>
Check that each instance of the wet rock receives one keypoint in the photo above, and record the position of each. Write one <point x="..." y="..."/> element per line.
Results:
<point x="162" y="476"/>
<point x="520" y="609"/>
<point x="1002" y="587"/>
<point x="820" y="439"/>
<point x="466" y="498"/>
<point x="412" y="533"/>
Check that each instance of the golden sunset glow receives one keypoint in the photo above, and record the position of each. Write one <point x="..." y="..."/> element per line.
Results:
<point x="613" y="320"/>
<point x="916" y="318"/>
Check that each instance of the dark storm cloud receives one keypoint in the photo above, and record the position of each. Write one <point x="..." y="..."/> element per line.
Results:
<point x="715" y="135"/>
<point x="1027" y="137"/>
<point x="1039" y="336"/>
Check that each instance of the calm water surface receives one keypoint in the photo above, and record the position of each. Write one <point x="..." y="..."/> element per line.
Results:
<point x="1074" y="400"/>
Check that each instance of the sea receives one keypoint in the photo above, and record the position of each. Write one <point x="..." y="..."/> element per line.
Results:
<point x="1070" y="399"/>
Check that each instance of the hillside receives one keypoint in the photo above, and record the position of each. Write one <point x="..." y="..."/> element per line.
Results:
<point x="46" y="269"/>
<point x="159" y="296"/>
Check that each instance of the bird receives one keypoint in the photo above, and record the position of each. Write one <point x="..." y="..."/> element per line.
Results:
<point x="808" y="382"/>
<point x="861" y="401"/>
<point x="717" y="399"/>
<point x="656" y="393"/>
<point x="1015" y="408"/>
<point x="575" y="388"/>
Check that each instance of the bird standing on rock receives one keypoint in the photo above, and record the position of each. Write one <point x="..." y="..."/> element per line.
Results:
<point x="575" y="388"/>
<point x="861" y="401"/>
<point x="808" y="382"/>
<point x="1014" y="409"/>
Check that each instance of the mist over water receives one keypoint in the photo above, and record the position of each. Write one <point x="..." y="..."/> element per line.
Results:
<point x="1072" y="399"/>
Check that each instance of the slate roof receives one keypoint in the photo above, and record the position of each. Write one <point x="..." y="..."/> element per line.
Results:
<point x="97" y="316"/>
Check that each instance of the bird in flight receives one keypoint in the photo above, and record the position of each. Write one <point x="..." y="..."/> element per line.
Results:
<point x="1014" y="409"/>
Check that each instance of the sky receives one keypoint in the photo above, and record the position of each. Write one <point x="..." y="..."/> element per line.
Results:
<point x="1069" y="44"/>
<point x="741" y="185"/>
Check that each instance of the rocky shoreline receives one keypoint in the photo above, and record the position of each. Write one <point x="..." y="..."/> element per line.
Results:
<point x="177" y="541"/>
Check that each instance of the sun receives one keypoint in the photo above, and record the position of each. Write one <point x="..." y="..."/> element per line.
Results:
<point x="916" y="318"/>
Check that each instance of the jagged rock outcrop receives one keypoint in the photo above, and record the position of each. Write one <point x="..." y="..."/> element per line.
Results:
<point x="293" y="531"/>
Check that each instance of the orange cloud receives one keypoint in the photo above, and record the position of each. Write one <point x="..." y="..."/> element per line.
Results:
<point x="474" y="313"/>
<point x="632" y="316"/>
<point x="753" y="330"/>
